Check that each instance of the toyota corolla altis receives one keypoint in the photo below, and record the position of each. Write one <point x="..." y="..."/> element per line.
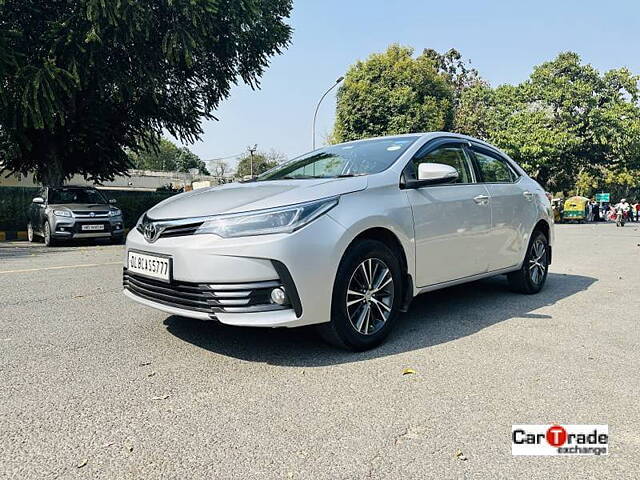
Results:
<point x="344" y="237"/>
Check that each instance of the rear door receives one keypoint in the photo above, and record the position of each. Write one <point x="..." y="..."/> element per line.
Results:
<point x="451" y="221"/>
<point x="513" y="208"/>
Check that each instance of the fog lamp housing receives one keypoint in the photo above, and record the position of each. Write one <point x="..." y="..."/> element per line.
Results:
<point x="278" y="296"/>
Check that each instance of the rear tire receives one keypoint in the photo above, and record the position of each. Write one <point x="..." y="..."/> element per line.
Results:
<point x="30" y="235"/>
<point x="367" y="295"/>
<point x="532" y="275"/>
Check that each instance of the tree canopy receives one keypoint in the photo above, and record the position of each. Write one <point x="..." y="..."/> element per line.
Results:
<point x="567" y="119"/>
<point x="393" y="93"/>
<point x="167" y="156"/>
<point x="85" y="80"/>
<point x="262" y="161"/>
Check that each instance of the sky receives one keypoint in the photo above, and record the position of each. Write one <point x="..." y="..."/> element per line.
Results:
<point x="502" y="39"/>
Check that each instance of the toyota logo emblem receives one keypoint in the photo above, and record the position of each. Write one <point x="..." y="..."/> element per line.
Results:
<point x="150" y="232"/>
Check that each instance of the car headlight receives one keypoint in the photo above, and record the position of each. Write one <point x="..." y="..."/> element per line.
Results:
<point x="62" y="213"/>
<point x="263" y="222"/>
<point x="115" y="213"/>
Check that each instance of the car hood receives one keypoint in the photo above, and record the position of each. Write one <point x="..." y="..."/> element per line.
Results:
<point x="245" y="197"/>
<point x="89" y="207"/>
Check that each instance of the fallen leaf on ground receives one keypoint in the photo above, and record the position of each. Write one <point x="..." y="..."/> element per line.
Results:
<point x="408" y="371"/>
<point x="152" y="374"/>
<point x="144" y="364"/>
<point x="82" y="463"/>
<point x="460" y="455"/>
<point x="164" y="397"/>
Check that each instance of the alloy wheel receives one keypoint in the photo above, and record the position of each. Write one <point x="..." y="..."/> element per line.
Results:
<point x="538" y="261"/>
<point x="370" y="296"/>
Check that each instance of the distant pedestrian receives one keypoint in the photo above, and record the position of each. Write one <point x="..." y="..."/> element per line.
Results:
<point x="596" y="212"/>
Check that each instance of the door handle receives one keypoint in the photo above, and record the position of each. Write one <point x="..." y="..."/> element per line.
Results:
<point x="481" y="199"/>
<point x="528" y="195"/>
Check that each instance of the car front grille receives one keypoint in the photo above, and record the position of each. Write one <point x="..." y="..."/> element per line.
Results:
<point x="203" y="297"/>
<point x="87" y="213"/>
<point x="180" y="230"/>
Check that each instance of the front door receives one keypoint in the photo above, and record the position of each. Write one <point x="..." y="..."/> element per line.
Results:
<point x="451" y="221"/>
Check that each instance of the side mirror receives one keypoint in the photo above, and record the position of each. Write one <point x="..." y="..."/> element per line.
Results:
<point x="38" y="200"/>
<point x="112" y="201"/>
<point x="433" y="174"/>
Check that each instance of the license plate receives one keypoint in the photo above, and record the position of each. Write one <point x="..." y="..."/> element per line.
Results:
<point x="92" y="227"/>
<point x="150" y="265"/>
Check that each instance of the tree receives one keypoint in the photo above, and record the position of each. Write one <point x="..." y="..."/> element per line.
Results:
<point x="188" y="160"/>
<point x="568" y="119"/>
<point x="261" y="162"/>
<point x="161" y="157"/>
<point x="166" y="156"/>
<point x="393" y="93"/>
<point x="84" y="80"/>
<point x="220" y="168"/>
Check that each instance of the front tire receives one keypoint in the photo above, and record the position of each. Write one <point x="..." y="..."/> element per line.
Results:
<point x="49" y="241"/>
<point x="367" y="295"/>
<point x="533" y="274"/>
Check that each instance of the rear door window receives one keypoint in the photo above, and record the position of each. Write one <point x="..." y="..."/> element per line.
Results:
<point x="494" y="169"/>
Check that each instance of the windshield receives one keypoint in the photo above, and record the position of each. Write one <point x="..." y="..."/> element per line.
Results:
<point x="75" y="195"/>
<point x="363" y="157"/>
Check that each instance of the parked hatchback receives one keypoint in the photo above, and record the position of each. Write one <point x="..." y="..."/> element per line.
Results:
<point x="67" y="213"/>
<point x="344" y="237"/>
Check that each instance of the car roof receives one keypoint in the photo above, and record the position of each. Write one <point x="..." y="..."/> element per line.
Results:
<point x="428" y="135"/>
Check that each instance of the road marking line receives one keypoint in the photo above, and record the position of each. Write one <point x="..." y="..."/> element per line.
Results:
<point x="59" y="267"/>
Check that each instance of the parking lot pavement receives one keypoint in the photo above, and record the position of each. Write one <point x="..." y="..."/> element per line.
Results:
<point x="95" y="386"/>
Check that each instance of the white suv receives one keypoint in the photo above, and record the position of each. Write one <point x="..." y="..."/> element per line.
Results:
<point x="344" y="237"/>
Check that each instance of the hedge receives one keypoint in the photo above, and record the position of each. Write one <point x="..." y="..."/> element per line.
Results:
<point x="15" y="201"/>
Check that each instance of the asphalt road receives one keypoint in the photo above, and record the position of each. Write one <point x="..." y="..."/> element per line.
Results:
<point x="95" y="386"/>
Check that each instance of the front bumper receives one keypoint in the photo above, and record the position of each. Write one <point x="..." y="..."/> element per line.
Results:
<point x="212" y="271"/>
<point x="70" y="228"/>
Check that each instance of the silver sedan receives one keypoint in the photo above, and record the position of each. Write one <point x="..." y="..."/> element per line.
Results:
<point x="344" y="237"/>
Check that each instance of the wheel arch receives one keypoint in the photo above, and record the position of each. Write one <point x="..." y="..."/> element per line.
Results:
<point x="391" y="240"/>
<point x="544" y="227"/>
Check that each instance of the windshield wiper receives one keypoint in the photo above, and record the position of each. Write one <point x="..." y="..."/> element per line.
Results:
<point x="296" y="177"/>
<point x="345" y="175"/>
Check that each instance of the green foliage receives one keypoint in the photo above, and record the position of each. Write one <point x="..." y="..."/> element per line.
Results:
<point x="262" y="162"/>
<point x="166" y="156"/>
<point x="85" y="80"/>
<point x="393" y="93"/>
<point x="566" y="119"/>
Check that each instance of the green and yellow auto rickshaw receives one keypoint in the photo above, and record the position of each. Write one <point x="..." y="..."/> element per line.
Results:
<point x="575" y="209"/>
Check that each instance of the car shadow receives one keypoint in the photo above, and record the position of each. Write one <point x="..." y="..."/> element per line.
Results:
<point x="434" y="318"/>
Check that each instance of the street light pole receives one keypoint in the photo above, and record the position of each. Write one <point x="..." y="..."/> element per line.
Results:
<point x="315" y="114"/>
<point x="251" y="152"/>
